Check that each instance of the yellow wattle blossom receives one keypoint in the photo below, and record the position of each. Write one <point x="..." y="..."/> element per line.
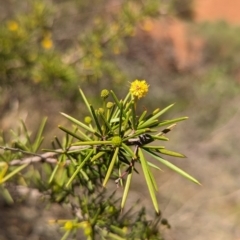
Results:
<point x="87" y="227"/>
<point x="139" y="88"/>
<point x="47" y="43"/>
<point x="68" y="225"/>
<point x="147" y="25"/>
<point x="12" y="26"/>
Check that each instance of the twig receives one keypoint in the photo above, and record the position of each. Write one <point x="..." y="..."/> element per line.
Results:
<point x="49" y="157"/>
<point x="19" y="150"/>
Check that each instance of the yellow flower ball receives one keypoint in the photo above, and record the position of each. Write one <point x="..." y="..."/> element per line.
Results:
<point x="68" y="225"/>
<point x="139" y="88"/>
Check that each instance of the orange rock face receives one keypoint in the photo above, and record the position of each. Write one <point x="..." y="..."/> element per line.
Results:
<point x="215" y="10"/>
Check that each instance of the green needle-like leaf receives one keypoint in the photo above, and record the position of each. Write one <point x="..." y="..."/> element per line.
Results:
<point x="53" y="173"/>
<point x="171" y="153"/>
<point x="128" y="149"/>
<point x="71" y="133"/>
<point x="39" y="138"/>
<point x="106" y="235"/>
<point x="66" y="235"/>
<point x="167" y="122"/>
<point x="126" y="188"/>
<point x="149" y="181"/>
<point x="84" y="174"/>
<point x="6" y="195"/>
<point x="156" y="116"/>
<point x="120" y="231"/>
<point x="3" y="169"/>
<point x="85" y="101"/>
<point x="173" y="167"/>
<point x="58" y="142"/>
<point x="110" y="168"/>
<point x="96" y="120"/>
<point x="153" y="166"/>
<point x="142" y="116"/>
<point x="26" y="134"/>
<point x="98" y="155"/>
<point x="154" y="147"/>
<point x="14" y="172"/>
<point x="152" y="123"/>
<point x="162" y="138"/>
<point x="115" y="99"/>
<point x="74" y="120"/>
<point x="120" y="119"/>
<point x="126" y="98"/>
<point x="152" y="178"/>
<point x="87" y="138"/>
<point x="110" y="113"/>
<point x="79" y="167"/>
<point x="109" y="128"/>
<point x="126" y="124"/>
<point x="134" y="121"/>
<point x="91" y="143"/>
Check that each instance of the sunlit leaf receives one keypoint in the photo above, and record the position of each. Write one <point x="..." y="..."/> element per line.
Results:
<point x="96" y="120"/>
<point x="26" y="134"/>
<point x="171" y="153"/>
<point x="173" y="167"/>
<point x="79" y="167"/>
<point x="153" y="166"/>
<point x="110" y="167"/>
<point x="39" y="138"/>
<point x="85" y="101"/>
<point x="74" y="120"/>
<point x="126" y="187"/>
<point x="167" y="122"/>
<point x="71" y="133"/>
<point x="149" y="182"/>
<point x="156" y="116"/>
<point x="14" y="172"/>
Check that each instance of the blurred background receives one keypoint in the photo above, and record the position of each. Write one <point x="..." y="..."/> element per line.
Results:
<point x="189" y="53"/>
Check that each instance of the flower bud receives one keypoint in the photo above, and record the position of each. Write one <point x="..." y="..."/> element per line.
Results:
<point x="104" y="93"/>
<point x="117" y="141"/>
<point x="87" y="119"/>
<point x="110" y="105"/>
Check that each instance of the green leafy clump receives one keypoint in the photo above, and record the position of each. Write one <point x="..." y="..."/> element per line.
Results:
<point x="119" y="140"/>
<point x="33" y="51"/>
<point x="45" y="45"/>
<point x="111" y="143"/>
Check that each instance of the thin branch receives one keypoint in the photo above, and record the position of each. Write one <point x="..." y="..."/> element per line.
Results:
<point x="19" y="150"/>
<point x="49" y="157"/>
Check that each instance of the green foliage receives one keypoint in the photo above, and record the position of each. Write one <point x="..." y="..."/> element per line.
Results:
<point x="33" y="51"/>
<point x="30" y="50"/>
<point x="222" y="43"/>
<point x="110" y="144"/>
<point x="27" y="50"/>
<point x="216" y="83"/>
